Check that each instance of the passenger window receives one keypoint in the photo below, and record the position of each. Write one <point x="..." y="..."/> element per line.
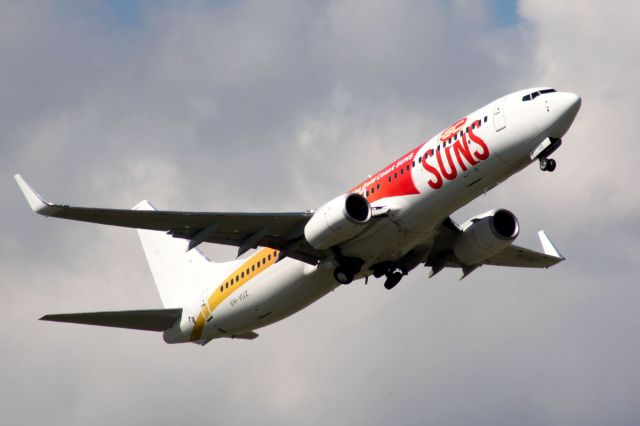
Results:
<point x="366" y="194"/>
<point x="253" y="268"/>
<point x="485" y="118"/>
<point x="241" y="274"/>
<point x="226" y="285"/>
<point x="389" y="178"/>
<point x="395" y="175"/>
<point x="378" y="186"/>
<point x="221" y="288"/>
<point x="373" y="190"/>
<point x="408" y="167"/>
<point x="401" y="171"/>
<point x="269" y="257"/>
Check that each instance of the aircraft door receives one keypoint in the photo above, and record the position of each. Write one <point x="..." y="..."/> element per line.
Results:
<point x="498" y="117"/>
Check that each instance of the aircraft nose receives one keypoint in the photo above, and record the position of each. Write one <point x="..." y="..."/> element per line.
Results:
<point x="570" y="104"/>
<point x="566" y="106"/>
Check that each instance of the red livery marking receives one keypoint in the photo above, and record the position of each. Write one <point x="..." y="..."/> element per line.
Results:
<point x="378" y="185"/>
<point x="453" y="129"/>
<point x="464" y="154"/>
<point x="396" y="180"/>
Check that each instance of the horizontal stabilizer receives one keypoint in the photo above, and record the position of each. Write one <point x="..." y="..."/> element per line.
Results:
<point x="150" y="320"/>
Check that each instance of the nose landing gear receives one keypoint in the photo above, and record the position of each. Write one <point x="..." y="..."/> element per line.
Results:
<point x="547" y="164"/>
<point x="547" y="148"/>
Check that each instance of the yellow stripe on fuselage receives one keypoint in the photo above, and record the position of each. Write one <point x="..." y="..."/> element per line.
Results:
<point x="255" y="265"/>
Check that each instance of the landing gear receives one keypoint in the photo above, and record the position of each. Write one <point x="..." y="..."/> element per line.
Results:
<point x="392" y="279"/>
<point x="342" y="275"/>
<point x="394" y="275"/>
<point x="348" y="267"/>
<point x="547" y="164"/>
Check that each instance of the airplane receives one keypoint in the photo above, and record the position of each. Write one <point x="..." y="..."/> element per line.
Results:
<point x="387" y="225"/>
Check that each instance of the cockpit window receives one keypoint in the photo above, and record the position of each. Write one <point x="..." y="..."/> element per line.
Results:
<point x="534" y="95"/>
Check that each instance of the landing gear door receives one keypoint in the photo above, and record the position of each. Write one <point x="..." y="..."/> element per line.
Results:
<point x="498" y="117"/>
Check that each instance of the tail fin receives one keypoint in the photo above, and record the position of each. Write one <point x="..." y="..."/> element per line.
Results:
<point x="181" y="276"/>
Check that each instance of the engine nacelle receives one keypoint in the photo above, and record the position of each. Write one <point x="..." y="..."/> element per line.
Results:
<point x="340" y="219"/>
<point x="485" y="236"/>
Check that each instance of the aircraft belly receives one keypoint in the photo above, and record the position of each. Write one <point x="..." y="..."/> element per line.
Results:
<point x="282" y="290"/>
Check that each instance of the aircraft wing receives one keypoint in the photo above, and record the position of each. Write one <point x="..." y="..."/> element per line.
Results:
<point x="280" y="231"/>
<point x="441" y="254"/>
<point x="525" y="258"/>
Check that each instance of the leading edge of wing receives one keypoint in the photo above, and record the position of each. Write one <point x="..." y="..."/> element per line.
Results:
<point x="158" y="220"/>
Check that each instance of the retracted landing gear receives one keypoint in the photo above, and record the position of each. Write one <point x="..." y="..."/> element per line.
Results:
<point x="547" y="164"/>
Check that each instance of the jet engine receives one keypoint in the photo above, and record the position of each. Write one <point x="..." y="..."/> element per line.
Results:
<point x="486" y="235"/>
<point x="340" y="219"/>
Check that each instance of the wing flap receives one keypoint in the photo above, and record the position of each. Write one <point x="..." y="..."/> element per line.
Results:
<point x="149" y="320"/>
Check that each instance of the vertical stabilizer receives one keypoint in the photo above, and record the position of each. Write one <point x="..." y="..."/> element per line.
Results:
<point x="181" y="276"/>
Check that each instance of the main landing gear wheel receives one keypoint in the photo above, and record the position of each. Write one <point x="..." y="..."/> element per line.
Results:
<point x="342" y="275"/>
<point x="547" y="164"/>
<point x="394" y="275"/>
<point x="392" y="279"/>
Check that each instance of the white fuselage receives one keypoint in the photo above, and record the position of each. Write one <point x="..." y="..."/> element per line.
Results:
<point x="421" y="189"/>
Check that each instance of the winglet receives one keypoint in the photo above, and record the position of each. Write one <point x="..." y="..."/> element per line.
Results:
<point x="37" y="203"/>
<point x="548" y="247"/>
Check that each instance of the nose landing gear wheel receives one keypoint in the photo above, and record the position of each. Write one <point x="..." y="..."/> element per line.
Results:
<point x="547" y="164"/>
<point x="342" y="275"/>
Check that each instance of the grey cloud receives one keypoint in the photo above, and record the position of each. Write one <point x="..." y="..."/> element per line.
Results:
<point x="307" y="98"/>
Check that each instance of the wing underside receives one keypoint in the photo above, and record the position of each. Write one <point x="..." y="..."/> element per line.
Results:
<point x="441" y="254"/>
<point x="280" y="231"/>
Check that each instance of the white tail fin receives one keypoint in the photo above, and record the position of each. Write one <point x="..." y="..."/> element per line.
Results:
<point x="181" y="277"/>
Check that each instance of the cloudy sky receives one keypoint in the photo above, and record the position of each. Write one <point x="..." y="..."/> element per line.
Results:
<point x="277" y="106"/>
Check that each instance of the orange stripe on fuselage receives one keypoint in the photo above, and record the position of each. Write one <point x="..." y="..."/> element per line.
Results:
<point x="259" y="261"/>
